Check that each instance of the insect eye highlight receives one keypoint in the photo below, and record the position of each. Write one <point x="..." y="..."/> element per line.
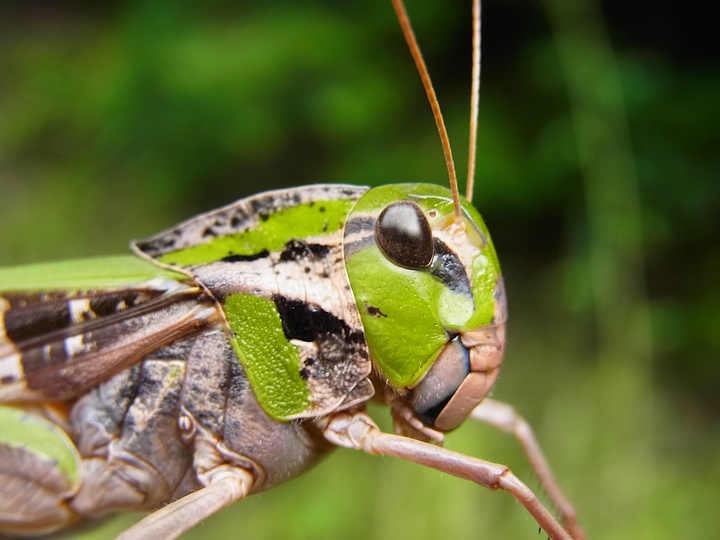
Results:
<point x="403" y="233"/>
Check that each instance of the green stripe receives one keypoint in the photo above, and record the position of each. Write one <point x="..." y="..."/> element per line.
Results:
<point x="271" y="233"/>
<point x="82" y="274"/>
<point x="272" y="363"/>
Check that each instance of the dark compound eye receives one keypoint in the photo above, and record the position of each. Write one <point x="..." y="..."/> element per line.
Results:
<point x="404" y="235"/>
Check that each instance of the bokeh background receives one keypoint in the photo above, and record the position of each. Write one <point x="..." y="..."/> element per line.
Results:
<point x="598" y="176"/>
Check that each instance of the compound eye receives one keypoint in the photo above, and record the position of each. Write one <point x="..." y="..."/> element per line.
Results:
<point x="403" y="233"/>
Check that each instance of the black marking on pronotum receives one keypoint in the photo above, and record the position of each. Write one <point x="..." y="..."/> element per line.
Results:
<point x="161" y="245"/>
<point x="270" y="204"/>
<point x="305" y="369"/>
<point x="297" y="249"/>
<point x="246" y="258"/>
<point x="168" y="244"/>
<point x="448" y="269"/>
<point x="296" y="319"/>
<point x="309" y="322"/>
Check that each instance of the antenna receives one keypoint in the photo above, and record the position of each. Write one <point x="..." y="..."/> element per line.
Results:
<point x="432" y="98"/>
<point x="474" y="100"/>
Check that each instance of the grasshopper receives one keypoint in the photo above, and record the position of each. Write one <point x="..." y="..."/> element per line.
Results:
<point x="241" y="346"/>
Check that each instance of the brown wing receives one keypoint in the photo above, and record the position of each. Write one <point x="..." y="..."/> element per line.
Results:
<point x="56" y="345"/>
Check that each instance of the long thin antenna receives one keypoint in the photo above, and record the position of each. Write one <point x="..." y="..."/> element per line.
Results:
<point x="474" y="100"/>
<point x="432" y="98"/>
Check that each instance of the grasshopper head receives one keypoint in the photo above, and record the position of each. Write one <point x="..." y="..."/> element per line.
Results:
<point x="431" y="298"/>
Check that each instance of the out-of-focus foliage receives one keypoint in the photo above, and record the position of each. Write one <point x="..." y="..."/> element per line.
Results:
<point x="119" y="119"/>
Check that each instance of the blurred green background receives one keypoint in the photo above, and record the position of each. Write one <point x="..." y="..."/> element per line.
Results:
<point x="598" y="177"/>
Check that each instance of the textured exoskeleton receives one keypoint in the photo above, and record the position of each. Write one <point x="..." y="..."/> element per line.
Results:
<point x="248" y="352"/>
